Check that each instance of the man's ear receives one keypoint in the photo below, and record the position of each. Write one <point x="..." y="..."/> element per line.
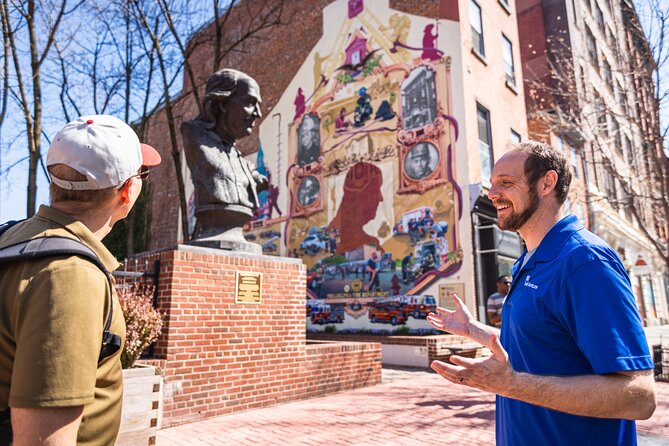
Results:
<point x="124" y="191"/>
<point x="549" y="182"/>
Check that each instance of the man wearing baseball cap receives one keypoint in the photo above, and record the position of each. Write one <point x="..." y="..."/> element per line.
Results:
<point x="61" y="386"/>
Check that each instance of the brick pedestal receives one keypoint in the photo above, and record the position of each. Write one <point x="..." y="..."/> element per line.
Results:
<point x="220" y="357"/>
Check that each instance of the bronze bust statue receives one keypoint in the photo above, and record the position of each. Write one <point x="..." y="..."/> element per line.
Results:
<point x="226" y="184"/>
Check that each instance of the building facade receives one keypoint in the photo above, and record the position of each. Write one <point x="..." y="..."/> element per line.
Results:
<point x="589" y="91"/>
<point x="382" y="120"/>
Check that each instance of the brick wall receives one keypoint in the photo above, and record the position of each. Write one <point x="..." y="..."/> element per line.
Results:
<point x="220" y="357"/>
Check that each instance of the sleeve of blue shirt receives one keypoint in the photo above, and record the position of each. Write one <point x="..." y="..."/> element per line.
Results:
<point x="601" y="313"/>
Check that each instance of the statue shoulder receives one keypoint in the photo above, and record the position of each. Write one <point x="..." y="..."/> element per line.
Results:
<point x="196" y="133"/>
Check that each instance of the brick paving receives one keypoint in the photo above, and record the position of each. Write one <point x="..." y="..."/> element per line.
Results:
<point x="409" y="408"/>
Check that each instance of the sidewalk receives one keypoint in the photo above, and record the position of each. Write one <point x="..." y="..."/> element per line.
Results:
<point x="409" y="408"/>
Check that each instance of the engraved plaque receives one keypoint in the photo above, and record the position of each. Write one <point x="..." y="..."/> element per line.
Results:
<point x="445" y="291"/>
<point x="249" y="288"/>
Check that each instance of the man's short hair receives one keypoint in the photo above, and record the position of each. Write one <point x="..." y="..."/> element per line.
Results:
<point x="84" y="200"/>
<point x="540" y="159"/>
<point x="220" y="87"/>
<point x="504" y="279"/>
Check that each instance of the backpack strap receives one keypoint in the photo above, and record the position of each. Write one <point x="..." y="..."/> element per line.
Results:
<point x="59" y="246"/>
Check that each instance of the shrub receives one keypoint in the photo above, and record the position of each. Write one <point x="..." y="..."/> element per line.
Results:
<point x="330" y="329"/>
<point x="143" y="322"/>
<point x="403" y="330"/>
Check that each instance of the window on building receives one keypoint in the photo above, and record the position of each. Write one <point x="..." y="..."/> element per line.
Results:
<point x="507" y="55"/>
<point x="515" y="137"/>
<point x="608" y="77"/>
<point x="581" y="76"/>
<point x="600" y="113"/>
<point x="627" y="149"/>
<point x="591" y="45"/>
<point x="575" y="14"/>
<point x="610" y="39"/>
<point x="573" y="157"/>
<point x="485" y="143"/>
<point x="599" y="17"/>
<point x="610" y="188"/>
<point x="476" y="23"/>
<point x="620" y="95"/>
<point x="617" y="136"/>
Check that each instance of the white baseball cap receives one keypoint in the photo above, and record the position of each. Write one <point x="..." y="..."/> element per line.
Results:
<point x="101" y="147"/>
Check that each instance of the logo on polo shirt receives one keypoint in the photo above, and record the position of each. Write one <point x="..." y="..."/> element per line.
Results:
<point x="530" y="284"/>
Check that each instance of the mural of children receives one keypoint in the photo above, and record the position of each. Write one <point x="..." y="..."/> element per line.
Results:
<point x="341" y="124"/>
<point x="363" y="109"/>
<point x="406" y="264"/>
<point x="332" y="237"/>
<point x="362" y="195"/>
<point x="373" y="270"/>
<point x="414" y="232"/>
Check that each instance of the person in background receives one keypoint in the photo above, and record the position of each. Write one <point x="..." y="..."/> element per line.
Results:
<point x="496" y="301"/>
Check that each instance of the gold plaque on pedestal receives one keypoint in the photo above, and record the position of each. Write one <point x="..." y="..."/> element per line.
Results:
<point x="249" y="288"/>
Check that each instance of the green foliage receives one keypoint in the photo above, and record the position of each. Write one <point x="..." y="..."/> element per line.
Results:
<point x="330" y="329"/>
<point x="370" y="65"/>
<point x="334" y="260"/>
<point x="345" y="77"/>
<point x="402" y="331"/>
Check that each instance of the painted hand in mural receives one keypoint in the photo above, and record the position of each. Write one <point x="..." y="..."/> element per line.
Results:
<point x="459" y="321"/>
<point x="493" y="374"/>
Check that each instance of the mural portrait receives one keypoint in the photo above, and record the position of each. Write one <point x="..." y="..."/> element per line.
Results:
<point x="419" y="99"/>
<point x="308" y="191"/>
<point x="309" y="140"/>
<point x="421" y="161"/>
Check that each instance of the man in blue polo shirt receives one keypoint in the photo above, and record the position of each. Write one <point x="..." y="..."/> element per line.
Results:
<point x="573" y="365"/>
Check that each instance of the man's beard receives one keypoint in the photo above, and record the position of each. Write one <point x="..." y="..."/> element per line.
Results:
<point x="515" y="221"/>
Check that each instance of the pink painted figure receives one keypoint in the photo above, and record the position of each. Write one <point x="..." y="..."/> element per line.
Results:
<point x="299" y="104"/>
<point x="355" y="7"/>
<point x="430" y="50"/>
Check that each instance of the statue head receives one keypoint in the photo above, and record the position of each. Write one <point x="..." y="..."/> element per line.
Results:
<point x="232" y="104"/>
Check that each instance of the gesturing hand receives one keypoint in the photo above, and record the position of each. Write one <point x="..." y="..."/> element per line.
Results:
<point x="493" y="374"/>
<point x="456" y="321"/>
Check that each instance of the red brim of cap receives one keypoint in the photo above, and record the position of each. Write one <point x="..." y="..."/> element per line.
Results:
<point x="150" y="156"/>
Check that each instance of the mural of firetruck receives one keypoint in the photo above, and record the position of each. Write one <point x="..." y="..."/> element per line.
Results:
<point x="321" y="313"/>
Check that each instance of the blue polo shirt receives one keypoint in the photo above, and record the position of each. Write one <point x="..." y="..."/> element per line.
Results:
<point x="570" y="312"/>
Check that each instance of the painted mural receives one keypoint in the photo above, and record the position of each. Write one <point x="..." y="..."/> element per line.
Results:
<point x="373" y="205"/>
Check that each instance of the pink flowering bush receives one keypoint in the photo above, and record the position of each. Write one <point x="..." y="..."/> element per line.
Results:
<point x="143" y="322"/>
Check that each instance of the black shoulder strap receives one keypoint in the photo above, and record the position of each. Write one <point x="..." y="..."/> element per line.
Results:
<point x="57" y="246"/>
